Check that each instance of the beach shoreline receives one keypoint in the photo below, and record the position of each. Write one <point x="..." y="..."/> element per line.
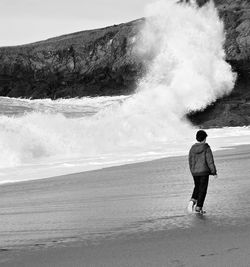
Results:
<point x="161" y="240"/>
<point x="222" y="150"/>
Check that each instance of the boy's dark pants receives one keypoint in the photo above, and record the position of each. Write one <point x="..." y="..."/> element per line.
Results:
<point x="200" y="189"/>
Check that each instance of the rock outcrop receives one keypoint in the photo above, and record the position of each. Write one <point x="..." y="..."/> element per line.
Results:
<point x="88" y="63"/>
<point x="103" y="62"/>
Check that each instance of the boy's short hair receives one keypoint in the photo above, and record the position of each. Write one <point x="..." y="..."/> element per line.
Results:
<point x="201" y="135"/>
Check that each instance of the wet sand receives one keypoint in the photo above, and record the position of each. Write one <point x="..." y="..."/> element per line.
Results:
<point x="222" y="247"/>
<point x="132" y="215"/>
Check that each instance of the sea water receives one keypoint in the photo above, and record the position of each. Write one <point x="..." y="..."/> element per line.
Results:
<point x="44" y="138"/>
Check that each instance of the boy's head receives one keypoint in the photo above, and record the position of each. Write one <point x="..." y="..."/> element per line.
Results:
<point x="201" y="136"/>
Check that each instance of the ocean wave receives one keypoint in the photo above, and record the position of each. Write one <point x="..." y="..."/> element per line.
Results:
<point x="183" y="49"/>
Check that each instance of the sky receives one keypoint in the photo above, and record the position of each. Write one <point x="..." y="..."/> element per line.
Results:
<point x="26" y="21"/>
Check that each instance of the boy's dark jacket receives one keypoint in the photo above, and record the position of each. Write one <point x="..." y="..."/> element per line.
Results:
<point x="201" y="161"/>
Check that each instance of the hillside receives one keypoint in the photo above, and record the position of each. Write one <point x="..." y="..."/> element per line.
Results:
<point x="104" y="62"/>
<point x="88" y="63"/>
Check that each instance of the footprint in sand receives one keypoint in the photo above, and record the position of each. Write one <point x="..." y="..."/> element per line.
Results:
<point x="232" y="249"/>
<point x="214" y="254"/>
<point x="207" y="255"/>
<point x="3" y="249"/>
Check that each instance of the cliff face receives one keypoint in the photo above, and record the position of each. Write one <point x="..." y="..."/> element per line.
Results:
<point x="103" y="62"/>
<point x="88" y="63"/>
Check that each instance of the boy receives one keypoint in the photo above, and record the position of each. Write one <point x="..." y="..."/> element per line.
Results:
<point x="201" y="163"/>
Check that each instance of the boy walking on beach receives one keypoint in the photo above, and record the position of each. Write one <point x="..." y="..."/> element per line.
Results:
<point x="201" y="163"/>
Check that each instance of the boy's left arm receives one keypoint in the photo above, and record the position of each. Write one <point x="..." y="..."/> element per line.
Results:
<point x="210" y="161"/>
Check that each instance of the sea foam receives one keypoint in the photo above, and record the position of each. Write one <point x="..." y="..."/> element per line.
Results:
<point x="182" y="48"/>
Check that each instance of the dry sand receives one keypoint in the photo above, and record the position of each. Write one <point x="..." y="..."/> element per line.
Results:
<point x="220" y="238"/>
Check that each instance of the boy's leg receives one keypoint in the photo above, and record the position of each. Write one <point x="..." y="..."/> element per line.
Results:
<point x="202" y="190"/>
<point x="196" y="188"/>
<point x="194" y="197"/>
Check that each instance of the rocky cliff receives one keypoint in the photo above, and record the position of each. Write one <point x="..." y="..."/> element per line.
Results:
<point x="103" y="62"/>
<point x="88" y="63"/>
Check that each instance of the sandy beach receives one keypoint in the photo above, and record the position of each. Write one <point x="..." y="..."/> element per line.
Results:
<point x="204" y="246"/>
<point x="100" y="103"/>
<point x="132" y="215"/>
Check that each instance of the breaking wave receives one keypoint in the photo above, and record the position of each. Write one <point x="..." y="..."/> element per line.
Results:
<point x="182" y="47"/>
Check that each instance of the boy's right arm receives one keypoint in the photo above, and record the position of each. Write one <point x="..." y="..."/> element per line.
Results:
<point x="190" y="160"/>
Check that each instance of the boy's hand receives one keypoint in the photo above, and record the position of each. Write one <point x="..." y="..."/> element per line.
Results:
<point x="216" y="176"/>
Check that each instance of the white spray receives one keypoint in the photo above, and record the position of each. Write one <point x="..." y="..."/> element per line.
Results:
<point x="182" y="46"/>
